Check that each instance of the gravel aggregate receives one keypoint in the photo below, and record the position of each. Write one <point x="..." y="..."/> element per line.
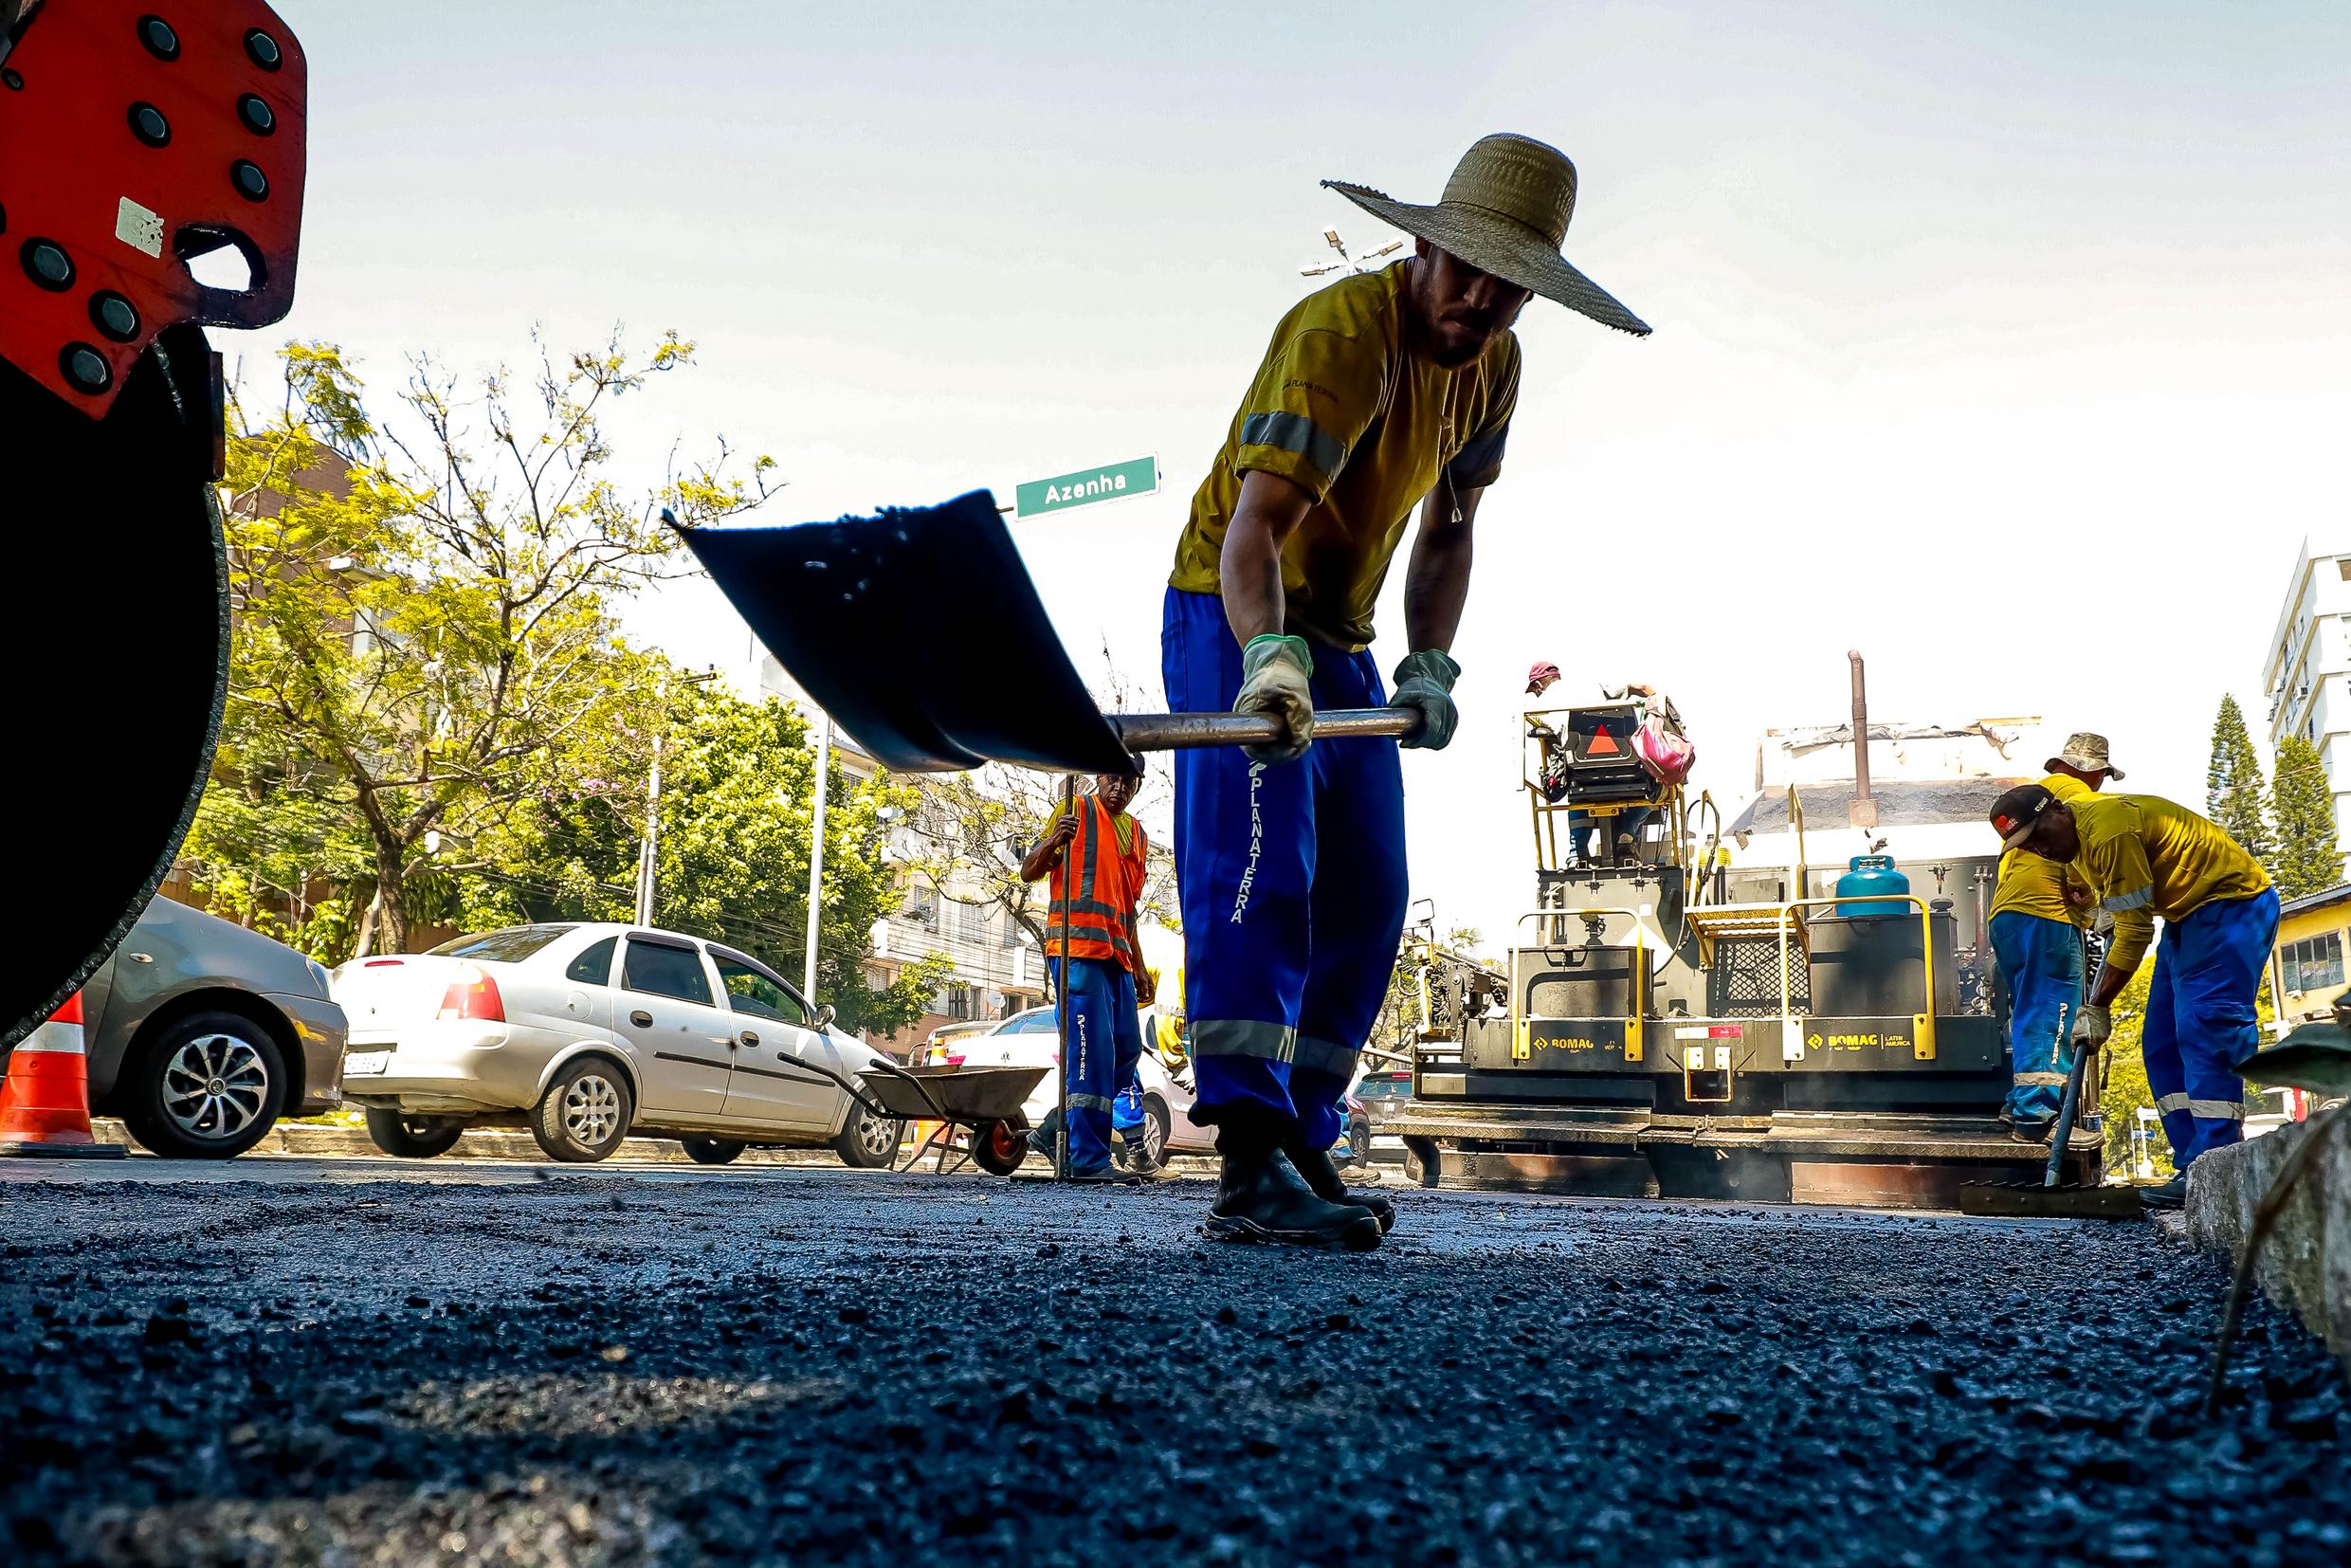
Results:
<point x="808" y="1366"/>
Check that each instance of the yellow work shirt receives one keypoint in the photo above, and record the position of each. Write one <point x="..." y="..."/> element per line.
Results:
<point x="1342" y="409"/>
<point x="2144" y="856"/>
<point x="2034" y="884"/>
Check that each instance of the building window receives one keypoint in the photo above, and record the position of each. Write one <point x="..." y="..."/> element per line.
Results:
<point x="972" y="921"/>
<point x="962" y="1002"/>
<point x="2313" y="963"/>
<point x="922" y="907"/>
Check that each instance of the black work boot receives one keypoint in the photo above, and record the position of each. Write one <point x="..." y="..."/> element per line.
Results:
<point x="1261" y="1198"/>
<point x="1321" y="1174"/>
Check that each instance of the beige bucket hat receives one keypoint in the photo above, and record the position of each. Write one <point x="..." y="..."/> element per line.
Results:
<point x="2087" y="751"/>
<point x="1505" y="210"/>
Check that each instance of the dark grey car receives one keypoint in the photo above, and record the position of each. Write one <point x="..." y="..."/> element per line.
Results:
<point x="201" y="1035"/>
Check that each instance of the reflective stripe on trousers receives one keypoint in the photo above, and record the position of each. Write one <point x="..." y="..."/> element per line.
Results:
<point x="2042" y="960"/>
<point x="1292" y="881"/>
<point x="2200" y="1020"/>
<point x="1105" y="1042"/>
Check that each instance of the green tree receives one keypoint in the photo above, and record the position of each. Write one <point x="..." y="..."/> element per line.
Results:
<point x="2232" y="790"/>
<point x="424" y="618"/>
<point x="2308" y="859"/>
<point x="736" y="804"/>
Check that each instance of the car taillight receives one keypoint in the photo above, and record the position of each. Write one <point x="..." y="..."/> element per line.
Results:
<point x="473" y="994"/>
<point x="380" y="963"/>
<point x="954" y="1058"/>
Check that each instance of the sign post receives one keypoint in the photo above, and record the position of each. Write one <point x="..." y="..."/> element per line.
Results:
<point x="1111" y="482"/>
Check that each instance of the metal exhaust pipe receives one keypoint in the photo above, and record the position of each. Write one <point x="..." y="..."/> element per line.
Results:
<point x="1861" y="811"/>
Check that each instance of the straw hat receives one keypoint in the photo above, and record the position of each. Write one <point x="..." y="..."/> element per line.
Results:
<point x="1505" y="211"/>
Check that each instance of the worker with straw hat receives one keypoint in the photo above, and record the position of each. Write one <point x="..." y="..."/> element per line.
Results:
<point x="1381" y="391"/>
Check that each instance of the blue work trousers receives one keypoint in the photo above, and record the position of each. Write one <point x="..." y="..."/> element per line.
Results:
<point x="1292" y="881"/>
<point x="2042" y="959"/>
<point x="2200" y="1020"/>
<point x="1105" y="1043"/>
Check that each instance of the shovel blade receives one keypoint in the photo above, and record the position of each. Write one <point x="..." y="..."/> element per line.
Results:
<point x="847" y="608"/>
<point x="2032" y="1200"/>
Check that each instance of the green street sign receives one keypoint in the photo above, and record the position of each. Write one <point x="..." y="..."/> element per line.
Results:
<point x="1112" y="482"/>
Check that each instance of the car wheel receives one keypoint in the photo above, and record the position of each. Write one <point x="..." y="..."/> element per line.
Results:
<point x="408" y="1137"/>
<point x="208" y="1087"/>
<point x="585" y="1112"/>
<point x="1156" y="1124"/>
<point x="868" y="1142"/>
<point x="711" y="1151"/>
<point x="999" y="1147"/>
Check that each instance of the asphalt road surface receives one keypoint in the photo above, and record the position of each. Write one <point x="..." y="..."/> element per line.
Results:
<point x="295" y="1361"/>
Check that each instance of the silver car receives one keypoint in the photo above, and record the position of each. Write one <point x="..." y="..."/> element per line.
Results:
<point x="201" y="1034"/>
<point x="584" y="1034"/>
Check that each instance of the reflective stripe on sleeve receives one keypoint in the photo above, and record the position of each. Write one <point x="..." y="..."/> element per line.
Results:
<point x="2122" y="901"/>
<point x="1091" y="1102"/>
<point x="1479" y="455"/>
<point x="1244" y="1037"/>
<point x="1294" y="433"/>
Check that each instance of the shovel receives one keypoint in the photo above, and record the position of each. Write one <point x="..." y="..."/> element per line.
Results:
<point x="2053" y="1199"/>
<point x="847" y="609"/>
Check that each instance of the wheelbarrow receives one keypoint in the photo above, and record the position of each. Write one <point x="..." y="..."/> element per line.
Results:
<point x="984" y="1101"/>
<point x="835" y="603"/>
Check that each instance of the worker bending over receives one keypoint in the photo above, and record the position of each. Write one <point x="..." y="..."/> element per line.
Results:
<point x="2039" y="914"/>
<point x="2144" y="856"/>
<point x="1101" y="983"/>
<point x="1376" y="392"/>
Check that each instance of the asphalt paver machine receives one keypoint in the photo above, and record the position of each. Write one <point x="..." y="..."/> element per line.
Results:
<point x="1673" y="1025"/>
<point x="136" y="138"/>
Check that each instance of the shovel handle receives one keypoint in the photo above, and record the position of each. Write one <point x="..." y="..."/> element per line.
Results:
<point x="1170" y="731"/>
<point x="2061" y="1131"/>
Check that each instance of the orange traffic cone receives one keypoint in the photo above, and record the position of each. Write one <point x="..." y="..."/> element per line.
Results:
<point x="44" y="1105"/>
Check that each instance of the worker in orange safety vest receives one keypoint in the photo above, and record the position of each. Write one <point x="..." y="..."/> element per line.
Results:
<point x="1100" y="981"/>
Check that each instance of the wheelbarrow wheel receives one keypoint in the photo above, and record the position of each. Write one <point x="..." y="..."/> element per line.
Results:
<point x="999" y="1147"/>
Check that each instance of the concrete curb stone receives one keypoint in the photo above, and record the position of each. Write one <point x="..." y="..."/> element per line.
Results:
<point x="2305" y="1265"/>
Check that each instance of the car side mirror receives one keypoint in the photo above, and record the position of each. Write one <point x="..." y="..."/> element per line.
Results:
<point x="825" y="1016"/>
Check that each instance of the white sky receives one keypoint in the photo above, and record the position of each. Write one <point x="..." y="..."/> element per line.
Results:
<point x="2005" y="348"/>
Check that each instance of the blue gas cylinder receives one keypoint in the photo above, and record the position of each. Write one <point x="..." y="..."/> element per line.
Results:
<point x="1871" y="874"/>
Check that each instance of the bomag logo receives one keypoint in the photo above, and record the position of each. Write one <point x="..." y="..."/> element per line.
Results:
<point x="1853" y="1041"/>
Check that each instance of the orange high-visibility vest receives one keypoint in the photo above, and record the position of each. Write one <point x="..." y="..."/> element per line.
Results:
<point x="1101" y="900"/>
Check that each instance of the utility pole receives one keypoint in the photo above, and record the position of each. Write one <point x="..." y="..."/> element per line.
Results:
<point x="816" y="857"/>
<point x="650" y="848"/>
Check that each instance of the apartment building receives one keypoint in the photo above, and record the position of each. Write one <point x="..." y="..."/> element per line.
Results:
<point x="2307" y="678"/>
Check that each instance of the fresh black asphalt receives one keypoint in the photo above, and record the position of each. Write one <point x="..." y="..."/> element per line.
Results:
<point x="293" y="1364"/>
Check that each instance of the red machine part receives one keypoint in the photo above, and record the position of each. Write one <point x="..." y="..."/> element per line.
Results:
<point x="133" y="136"/>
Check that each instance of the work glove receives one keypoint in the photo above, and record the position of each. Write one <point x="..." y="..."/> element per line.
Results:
<point x="1425" y="681"/>
<point x="1275" y="670"/>
<point x="2092" y="1026"/>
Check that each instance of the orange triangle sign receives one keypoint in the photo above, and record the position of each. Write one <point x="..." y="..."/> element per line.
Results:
<point x="1602" y="743"/>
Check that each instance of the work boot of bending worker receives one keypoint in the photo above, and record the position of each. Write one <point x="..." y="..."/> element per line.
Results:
<point x="1261" y="1197"/>
<point x="1320" y="1173"/>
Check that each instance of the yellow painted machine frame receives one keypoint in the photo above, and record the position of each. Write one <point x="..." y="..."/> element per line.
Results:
<point x="1922" y="1024"/>
<point x="1521" y="1039"/>
<point x="1544" y="814"/>
<point x="1786" y="918"/>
